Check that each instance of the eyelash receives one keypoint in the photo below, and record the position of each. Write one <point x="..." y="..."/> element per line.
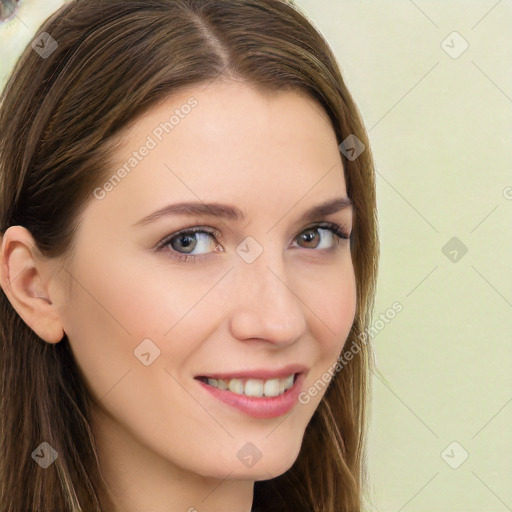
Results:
<point x="336" y="229"/>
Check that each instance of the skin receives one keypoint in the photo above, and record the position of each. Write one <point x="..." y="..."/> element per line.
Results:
<point x="164" y="443"/>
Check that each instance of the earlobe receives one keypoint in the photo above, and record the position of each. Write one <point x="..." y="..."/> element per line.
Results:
<point x="24" y="278"/>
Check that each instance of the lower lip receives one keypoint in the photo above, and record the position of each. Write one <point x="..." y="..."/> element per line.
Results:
<point x="260" y="407"/>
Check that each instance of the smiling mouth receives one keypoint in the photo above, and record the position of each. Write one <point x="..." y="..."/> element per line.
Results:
<point x="258" y="388"/>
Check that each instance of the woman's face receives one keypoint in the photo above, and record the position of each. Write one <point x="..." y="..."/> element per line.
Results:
<point x="246" y="301"/>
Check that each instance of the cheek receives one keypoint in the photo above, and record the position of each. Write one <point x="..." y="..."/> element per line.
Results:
<point x="109" y="313"/>
<point x="97" y="323"/>
<point x="121" y="294"/>
<point x="117" y="304"/>
<point x="333" y="304"/>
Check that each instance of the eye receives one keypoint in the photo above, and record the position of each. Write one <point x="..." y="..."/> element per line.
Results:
<point x="183" y="244"/>
<point x="330" y="238"/>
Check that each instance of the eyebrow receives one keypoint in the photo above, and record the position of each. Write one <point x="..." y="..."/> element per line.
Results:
<point x="225" y="211"/>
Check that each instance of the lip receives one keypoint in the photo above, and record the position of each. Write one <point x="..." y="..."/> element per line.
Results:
<point x="264" y="374"/>
<point x="259" y="407"/>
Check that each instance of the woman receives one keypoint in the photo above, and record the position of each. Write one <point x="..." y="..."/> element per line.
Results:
<point x="189" y="242"/>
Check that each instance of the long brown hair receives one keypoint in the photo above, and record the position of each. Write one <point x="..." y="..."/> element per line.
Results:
<point x="58" y="117"/>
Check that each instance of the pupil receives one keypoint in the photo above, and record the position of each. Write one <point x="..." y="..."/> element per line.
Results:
<point x="309" y="236"/>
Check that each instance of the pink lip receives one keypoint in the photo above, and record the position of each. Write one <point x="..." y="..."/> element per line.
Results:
<point x="260" y="407"/>
<point x="263" y="374"/>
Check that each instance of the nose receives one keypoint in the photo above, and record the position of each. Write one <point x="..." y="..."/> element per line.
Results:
<point x="265" y="304"/>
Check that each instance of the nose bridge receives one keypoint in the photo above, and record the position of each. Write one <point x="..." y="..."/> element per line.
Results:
<point x="266" y="306"/>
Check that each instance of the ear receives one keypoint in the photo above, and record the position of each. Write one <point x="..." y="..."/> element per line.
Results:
<point x="25" y="277"/>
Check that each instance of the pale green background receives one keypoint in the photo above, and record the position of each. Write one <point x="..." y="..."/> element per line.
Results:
<point x="440" y="129"/>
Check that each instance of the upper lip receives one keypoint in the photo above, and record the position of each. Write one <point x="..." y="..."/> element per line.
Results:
<point x="264" y="374"/>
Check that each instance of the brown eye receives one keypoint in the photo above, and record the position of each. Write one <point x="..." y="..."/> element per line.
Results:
<point x="310" y="237"/>
<point x="326" y="236"/>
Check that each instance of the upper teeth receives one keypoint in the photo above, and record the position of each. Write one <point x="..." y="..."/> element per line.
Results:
<point x="254" y="387"/>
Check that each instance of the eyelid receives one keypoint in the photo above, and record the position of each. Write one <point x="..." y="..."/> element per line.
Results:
<point x="340" y="229"/>
<point x="194" y="229"/>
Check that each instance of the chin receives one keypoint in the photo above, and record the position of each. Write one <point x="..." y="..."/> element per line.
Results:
<point x="271" y="461"/>
<point x="274" y="470"/>
<point x="275" y="461"/>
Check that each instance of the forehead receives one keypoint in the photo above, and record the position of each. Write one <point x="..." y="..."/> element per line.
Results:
<point x="228" y="142"/>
